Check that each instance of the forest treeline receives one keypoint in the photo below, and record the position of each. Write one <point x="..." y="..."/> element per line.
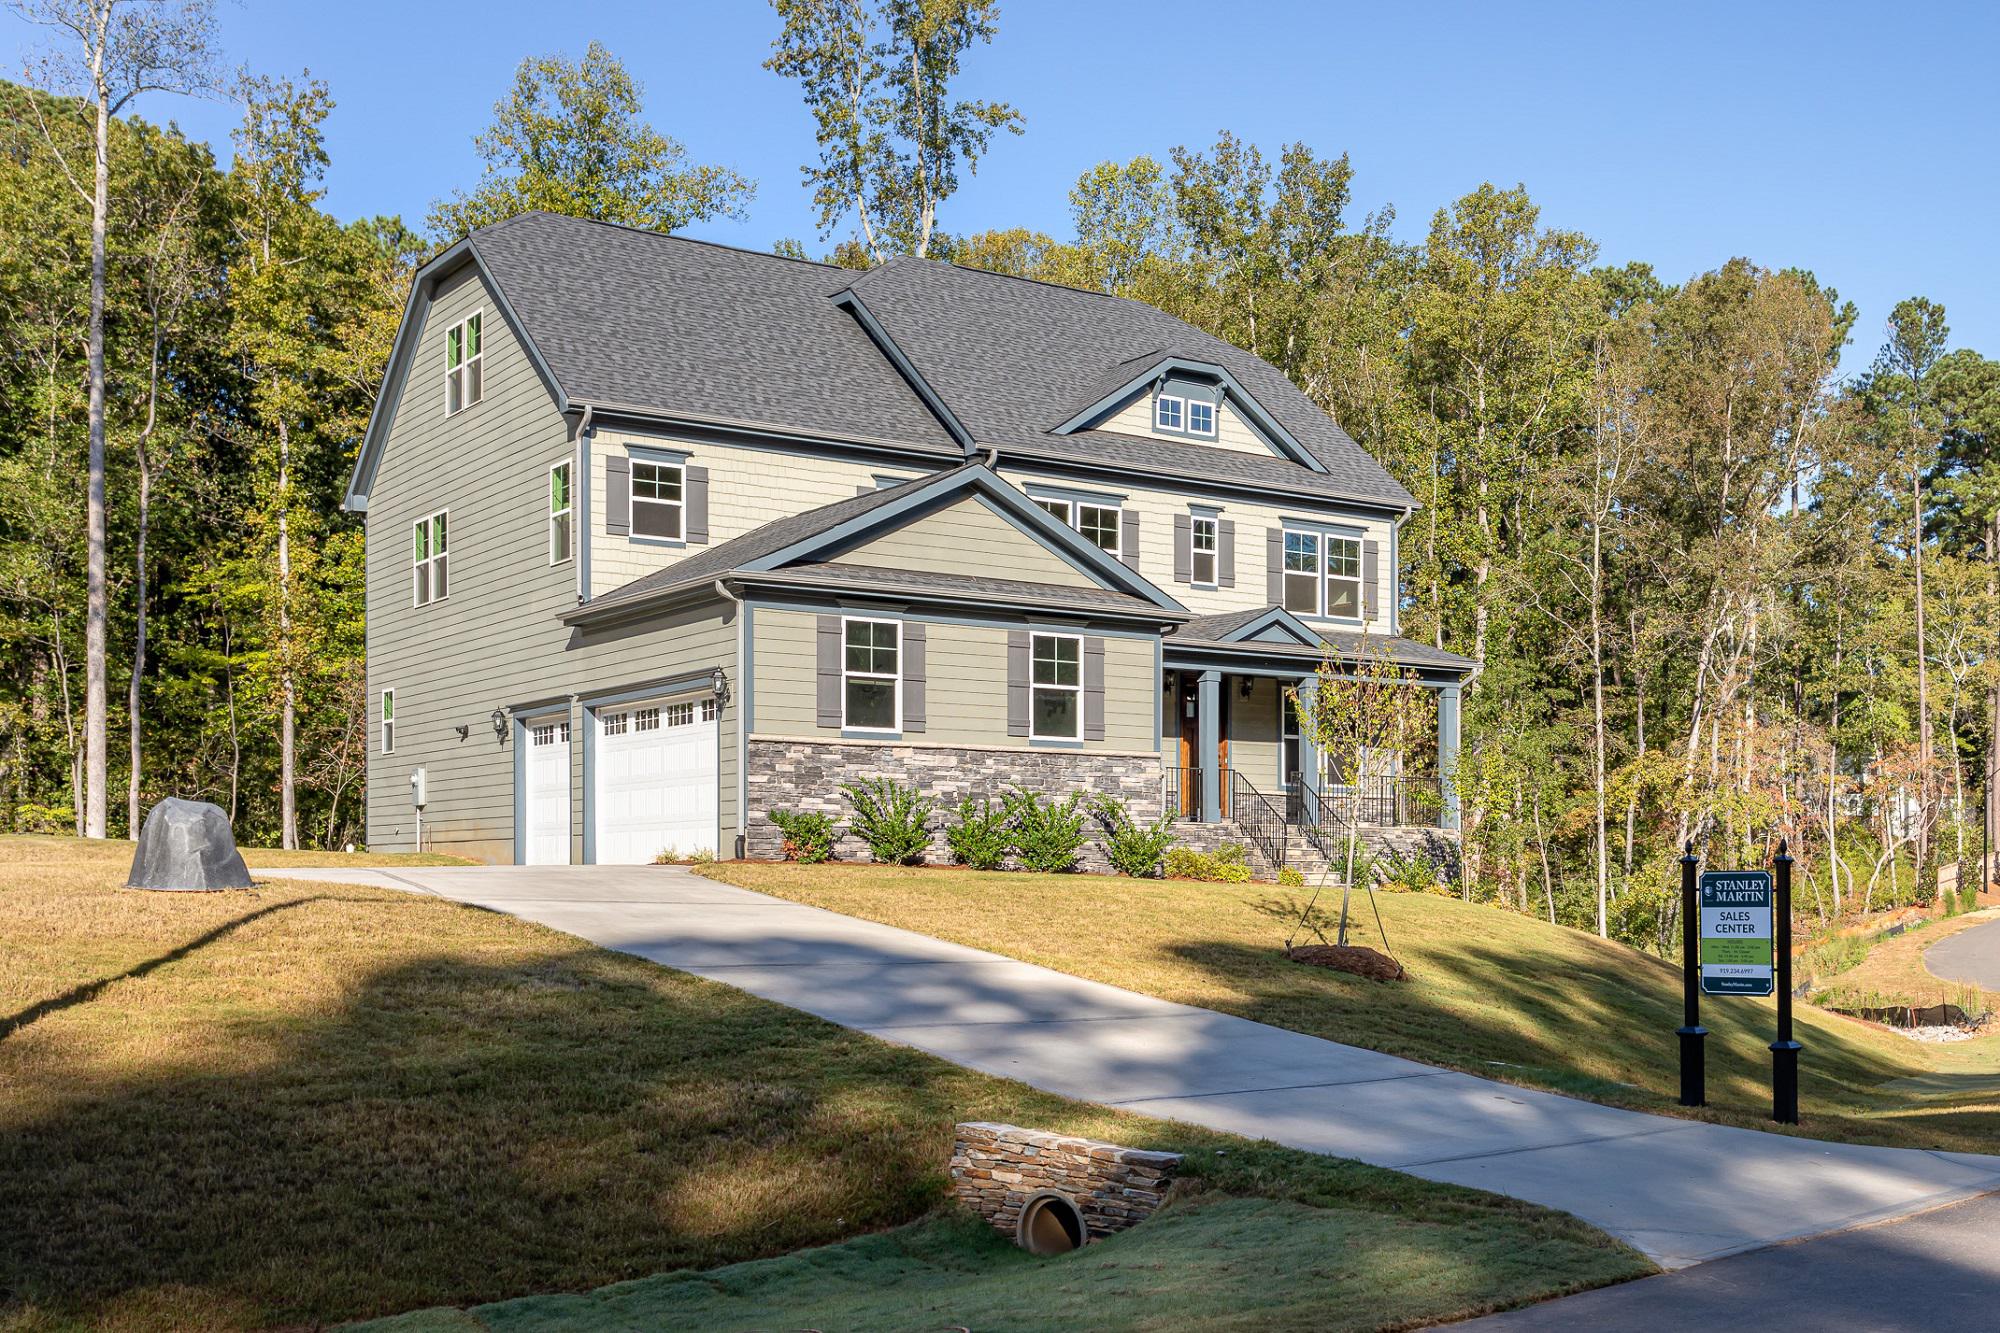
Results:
<point x="1717" y="591"/>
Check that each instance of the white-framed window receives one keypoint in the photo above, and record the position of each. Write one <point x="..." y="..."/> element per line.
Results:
<point x="1170" y="413"/>
<point x="560" y="507"/>
<point x="657" y="498"/>
<point x="681" y="715"/>
<point x="1322" y="574"/>
<point x="429" y="559"/>
<point x="549" y="733"/>
<point x="1055" y="703"/>
<point x="462" y="365"/>
<point x="1302" y="573"/>
<point x="1200" y="417"/>
<point x="388" y="722"/>
<point x="708" y="710"/>
<point x="1062" y="509"/>
<point x="871" y="684"/>
<point x="645" y="719"/>
<point x="615" y="723"/>
<point x="1099" y="523"/>
<point x="1343" y="577"/>
<point x="1291" y="760"/>
<point x="1202" y="568"/>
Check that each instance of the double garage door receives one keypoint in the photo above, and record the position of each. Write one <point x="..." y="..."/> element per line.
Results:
<point x="654" y="774"/>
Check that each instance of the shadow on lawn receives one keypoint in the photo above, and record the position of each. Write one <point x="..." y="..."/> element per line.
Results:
<point x="1596" y="1027"/>
<point x="91" y="989"/>
<point x="455" y="1133"/>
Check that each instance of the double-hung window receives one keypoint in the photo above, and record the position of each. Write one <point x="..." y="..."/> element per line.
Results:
<point x="1202" y="571"/>
<point x="388" y="722"/>
<point x="1062" y="509"/>
<point x="1302" y="573"/>
<point x="1100" y="524"/>
<point x="1200" y="417"/>
<point x="559" y="514"/>
<point x="1170" y="413"/>
<point x="462" y="365"/>
<point x="1055" y="710"/>
<point x="657" y="504"/>
<point x="871" y="676"/>
<point x="1323" y="575"/>
<point x="428" y="554"/>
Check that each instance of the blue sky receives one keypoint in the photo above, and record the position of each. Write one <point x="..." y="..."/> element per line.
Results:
<point x="1857" y="141"/>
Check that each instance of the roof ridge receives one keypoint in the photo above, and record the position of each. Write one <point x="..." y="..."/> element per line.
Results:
<point x="659" y="235"/>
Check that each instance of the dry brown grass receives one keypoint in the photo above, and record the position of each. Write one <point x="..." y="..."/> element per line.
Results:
<point x="306" y="1103"/>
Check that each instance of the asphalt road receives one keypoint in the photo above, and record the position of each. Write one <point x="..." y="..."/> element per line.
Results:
<point x="1971" y="955"/>
<point x="1938" y="1272"/>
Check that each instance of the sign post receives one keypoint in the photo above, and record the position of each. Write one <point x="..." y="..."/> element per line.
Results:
<point x="1694" y="1074"/>
<point x="1785" y="1051"/>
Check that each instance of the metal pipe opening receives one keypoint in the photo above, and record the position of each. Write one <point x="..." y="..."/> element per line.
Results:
<point x="1050" y="1224"/>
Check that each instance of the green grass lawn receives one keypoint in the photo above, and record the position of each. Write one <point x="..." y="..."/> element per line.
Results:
<point x="308" y="1103"/>
<point x="1490" y="991"/>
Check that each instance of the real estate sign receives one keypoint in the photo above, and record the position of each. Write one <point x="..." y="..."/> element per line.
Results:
<point x="1736" y="932"/>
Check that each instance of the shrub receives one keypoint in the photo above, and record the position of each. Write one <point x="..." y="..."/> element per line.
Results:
<point x="894" y="820"/>
<point x="1415" y="873"/>
<point x="979" y="839"/>
<point x="670" y="857"/>
<point x="1132" y="848"/>
<point x="1225" y="865"/>
<point x="1047" y="834"/>
<point x="809" y="835"/>
<point x="1290" y="879"/>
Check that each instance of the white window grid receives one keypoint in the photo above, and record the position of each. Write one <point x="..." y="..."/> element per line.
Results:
<point x="561" y="506"/>
<point x="389" y="721"/>
<point x="659" y="499"/>
<point x="1065" y="675"/>
<point x="645" y="719"/>
<point x="1200" y="417"/>
<point x="1169" y="412"/>
<point x="430" y="558"/>
<point x="708" y="710"/>
<point x="680" y="715"/>
<point x="464" y="371"/>
<point x="615" y="723"/>
<point x="550" y="733"/>
<point x="850" y="674"/>
<point x="1204" y="551"/>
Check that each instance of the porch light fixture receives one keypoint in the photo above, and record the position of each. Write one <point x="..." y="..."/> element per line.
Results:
<point x="499" y="720"/>
<point x="1244" y="684"/>
<point x="720" y="684"/>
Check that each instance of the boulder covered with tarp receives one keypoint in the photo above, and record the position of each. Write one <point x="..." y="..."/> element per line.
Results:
<point x="187" y="845"/>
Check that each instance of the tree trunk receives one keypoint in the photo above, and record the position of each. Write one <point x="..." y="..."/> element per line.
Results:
<point x="287" y="666"/>
<point x="132" y="780"/>
<point x="1924" y="876"/>
<point x="1597" y="699"/>
<point x="96" y="704"/>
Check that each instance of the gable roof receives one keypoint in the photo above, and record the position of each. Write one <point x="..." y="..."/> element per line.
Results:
<point x="794" y="546"/>
<point x="1272" y="630"/>
<point x="914" y="355"/>
<point x="1142" y="372"/>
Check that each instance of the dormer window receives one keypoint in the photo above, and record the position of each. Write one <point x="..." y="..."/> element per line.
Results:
<point x="1170" y="413"/>
<point x="1200" y="417"/>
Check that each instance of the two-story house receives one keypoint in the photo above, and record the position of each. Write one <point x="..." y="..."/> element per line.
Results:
<point x="664" y="535"/>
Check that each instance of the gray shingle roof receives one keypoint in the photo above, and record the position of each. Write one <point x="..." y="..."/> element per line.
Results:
<point x="874" y="578"/>
<point x="683" y="327"/>
<point x="1214" y="629"/>
<point x="1010" y="355"/>
<point x="662" y="322"/>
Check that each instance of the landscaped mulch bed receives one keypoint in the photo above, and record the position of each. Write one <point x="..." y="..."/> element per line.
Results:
<point x="1358" y="959"/>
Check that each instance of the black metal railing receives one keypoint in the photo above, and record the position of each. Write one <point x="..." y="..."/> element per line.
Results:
<point x="1182" y="789"/>
<point x="1262" y="822"/>
<point x="1407" y="800"/>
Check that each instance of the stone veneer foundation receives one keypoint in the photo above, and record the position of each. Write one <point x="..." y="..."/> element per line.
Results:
<point x="997" y="1169"/>
<point x="786" y="774"/>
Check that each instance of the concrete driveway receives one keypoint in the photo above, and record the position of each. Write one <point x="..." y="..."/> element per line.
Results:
<point x="1971" y="955"/>
<point x="1680" y="1191"/>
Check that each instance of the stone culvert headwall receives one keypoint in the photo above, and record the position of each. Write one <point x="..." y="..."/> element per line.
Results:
<point x="997" y="1169"/>
<point x="808" y="775"/>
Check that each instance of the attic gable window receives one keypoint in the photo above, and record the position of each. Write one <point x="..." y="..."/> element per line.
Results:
<point x="1169" y="413"/>
<point x="1200" y="417"/>
<point x="463" y="379"/>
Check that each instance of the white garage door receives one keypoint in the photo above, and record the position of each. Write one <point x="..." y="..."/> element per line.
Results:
<point x="656" y="766"/>
<point x="547" y="798"/>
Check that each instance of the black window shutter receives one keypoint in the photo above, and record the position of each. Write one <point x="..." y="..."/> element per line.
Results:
<point x="1017" y="682"/>
<point x="1093" y="689"/>
<point x="1371" y="579"/>
<point x="617" y="495"/>
<point x="697" y="505"/>
<point x="829" y="671"/>
<point x="1225" y="541"/>
<point x="1183" y="548"/>
<point x="1128" y="538"/>
<point x="1274" y="566"/>
<point x="914" y="700"/>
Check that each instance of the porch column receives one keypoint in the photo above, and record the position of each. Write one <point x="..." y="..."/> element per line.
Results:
<point x="1448" y="751"/>
<point x="1308" y="754"/>
<point x="1208" y="740"/>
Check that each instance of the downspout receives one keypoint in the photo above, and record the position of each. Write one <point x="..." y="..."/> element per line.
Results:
<point x="742" y="719"/>
<point x="580" y="504"/>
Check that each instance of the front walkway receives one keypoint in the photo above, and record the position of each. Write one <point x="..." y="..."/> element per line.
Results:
<point x="1681" y="1191"/>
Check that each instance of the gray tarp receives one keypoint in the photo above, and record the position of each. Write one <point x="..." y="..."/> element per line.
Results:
<point x="187" y="845"/>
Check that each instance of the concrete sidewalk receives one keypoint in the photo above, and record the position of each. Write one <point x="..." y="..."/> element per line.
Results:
<point x="1972" y="955"/>
<point x="1680" y="1191"/>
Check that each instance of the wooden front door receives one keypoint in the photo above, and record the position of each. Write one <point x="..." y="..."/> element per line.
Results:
<point x="1186" y="694"/>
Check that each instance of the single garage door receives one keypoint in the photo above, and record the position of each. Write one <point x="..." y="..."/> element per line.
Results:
<point x="656" y="780"/>
<point x="547" y="797"/>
